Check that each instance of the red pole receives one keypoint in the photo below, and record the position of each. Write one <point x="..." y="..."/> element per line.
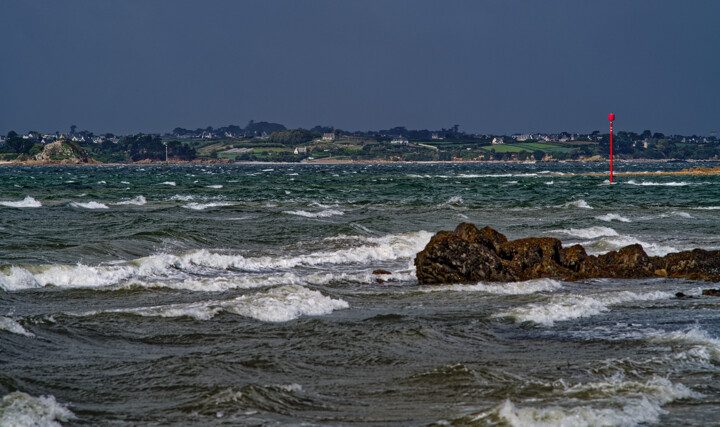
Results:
<point x="611" y="155"/>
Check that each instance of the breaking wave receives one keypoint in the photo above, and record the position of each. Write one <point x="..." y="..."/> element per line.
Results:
<point x="139" y="201"/>
<point x="658" y="184"/>
<point x="21" y="409"/>
<point x="568" y="307"/>
<point x="582" y="204"/>
<point x="637" y="402"/>
<point x="702" y="345"/>
<point x="322" y="214"/>
<point x="280" y="304"/>
<point x="27" y="202"/>
<point x="166" y="268"/>
<point x="510" y="288"/>
<point x="588" y="233"/>
<point x="10" y="325"/>
<point x="203" y="206"/>
<point x="89" y="205"/>
<point x="612" y="217"/>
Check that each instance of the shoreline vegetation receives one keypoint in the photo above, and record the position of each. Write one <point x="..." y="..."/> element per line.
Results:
<point x="698" y="170"/>
<point x="272" y="143"/>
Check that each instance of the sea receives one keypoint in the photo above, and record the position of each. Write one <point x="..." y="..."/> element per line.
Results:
<point x="244" y="295"/>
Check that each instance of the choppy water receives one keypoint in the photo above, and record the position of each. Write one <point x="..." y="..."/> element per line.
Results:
<point x="243" y="295"/>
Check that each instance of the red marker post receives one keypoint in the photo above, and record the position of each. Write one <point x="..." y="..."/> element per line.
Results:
<point x="611" y="117"/>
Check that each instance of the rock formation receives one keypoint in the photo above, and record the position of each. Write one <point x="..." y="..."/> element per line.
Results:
<point x="63" y="151"/>
<point x="469" y="254"/>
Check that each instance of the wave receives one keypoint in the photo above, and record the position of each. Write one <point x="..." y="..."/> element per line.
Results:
<point x="203" y="206"/>
<point x="582" y="204"/>
<point x="214" y="186"/>
<point x="703" y="346"/>
<point x="22" y="409"/>
<point x="27" y="202"/>
<point x="280" y="304"/>
<point x="139" y="201"/>
<point x="10" y="325"/>
<point x="182" y="197"/>
<point x="658" y="184"/>
<point x="612" y="217"/>
<point x="452" y="201"/>
<point x="166" y="269"/>
<point x="89" y="205"/>
<point x="613" y="243"/>
<point x="568" y="307"/>
<point x="170" y="183"/>
<point x="322" y="214"/>
<point x="641" y="403"/>
<point x="589" y="233"/>
<point x="510" y="288"/>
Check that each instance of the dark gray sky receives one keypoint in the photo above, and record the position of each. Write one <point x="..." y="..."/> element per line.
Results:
<point x="490" y="66"/>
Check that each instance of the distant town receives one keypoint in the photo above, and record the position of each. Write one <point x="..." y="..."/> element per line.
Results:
<point x="273" y="142"/>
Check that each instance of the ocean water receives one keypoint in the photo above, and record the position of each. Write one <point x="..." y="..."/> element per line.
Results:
<point x="244" y="295"/>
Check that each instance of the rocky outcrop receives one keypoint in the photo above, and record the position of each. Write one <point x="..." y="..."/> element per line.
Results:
<point x="469" y="254"/>
<point x="63" y="151"/>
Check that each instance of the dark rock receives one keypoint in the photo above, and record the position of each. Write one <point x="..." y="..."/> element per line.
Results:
<point x="680" y="295"/>
<point x="381" y="271"/>
<point x="711" y="292"/>
<point x="469" y="254"/>
<point x="450" y="258"/>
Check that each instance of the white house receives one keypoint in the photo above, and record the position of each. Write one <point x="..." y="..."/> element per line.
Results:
<point x="522" y="137"/>
<point x="300" y="150"/>
<point x="400" y="140"/>
<point x="328" y="136"/>
<point x="498" y="140"/>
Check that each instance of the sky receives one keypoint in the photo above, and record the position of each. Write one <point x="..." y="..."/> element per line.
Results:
<point x="500" y="67"/>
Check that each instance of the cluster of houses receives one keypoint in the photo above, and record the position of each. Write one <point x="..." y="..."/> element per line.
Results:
<point x="46" y="139"/>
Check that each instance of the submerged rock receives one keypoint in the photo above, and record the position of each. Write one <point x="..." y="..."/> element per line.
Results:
<point x="469" y="254"/>
<point x="711" y="292"/>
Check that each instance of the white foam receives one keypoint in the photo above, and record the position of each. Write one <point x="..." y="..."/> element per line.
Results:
<point x="681" y="214"/>
<point x="203" y="206"/>
<point x="27" y="202"/>
<point x="707" y="208"/>
<point x="659" y="184"/>
<point x="510" y="288"/>
<point x="589" y="233"/>
<point x="10" y="325"/>
<point x="280" y="304"/>
<point x="67" y="276"/>
<point x="612" y="217"/>
<point x="612" y="243"/>
<point x="20" y="409"/>
<point x="702" y="345"/>
<point x="171" y="270"/>
<point x="182" y="197"/>
<point x="139" y="201"/>
<point x="637" y="402"/>
<point x="452" y="201"/>
<point x="171" y="183"/>
<point x="322" y="214"/>
<point x="214" y="186"/>
<point x="576" y="204"/>
<point x="18" y="279"/>
<point x="284" y="304"/>
<point x="89" y="205"/>
<point x="568" y="307"/>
